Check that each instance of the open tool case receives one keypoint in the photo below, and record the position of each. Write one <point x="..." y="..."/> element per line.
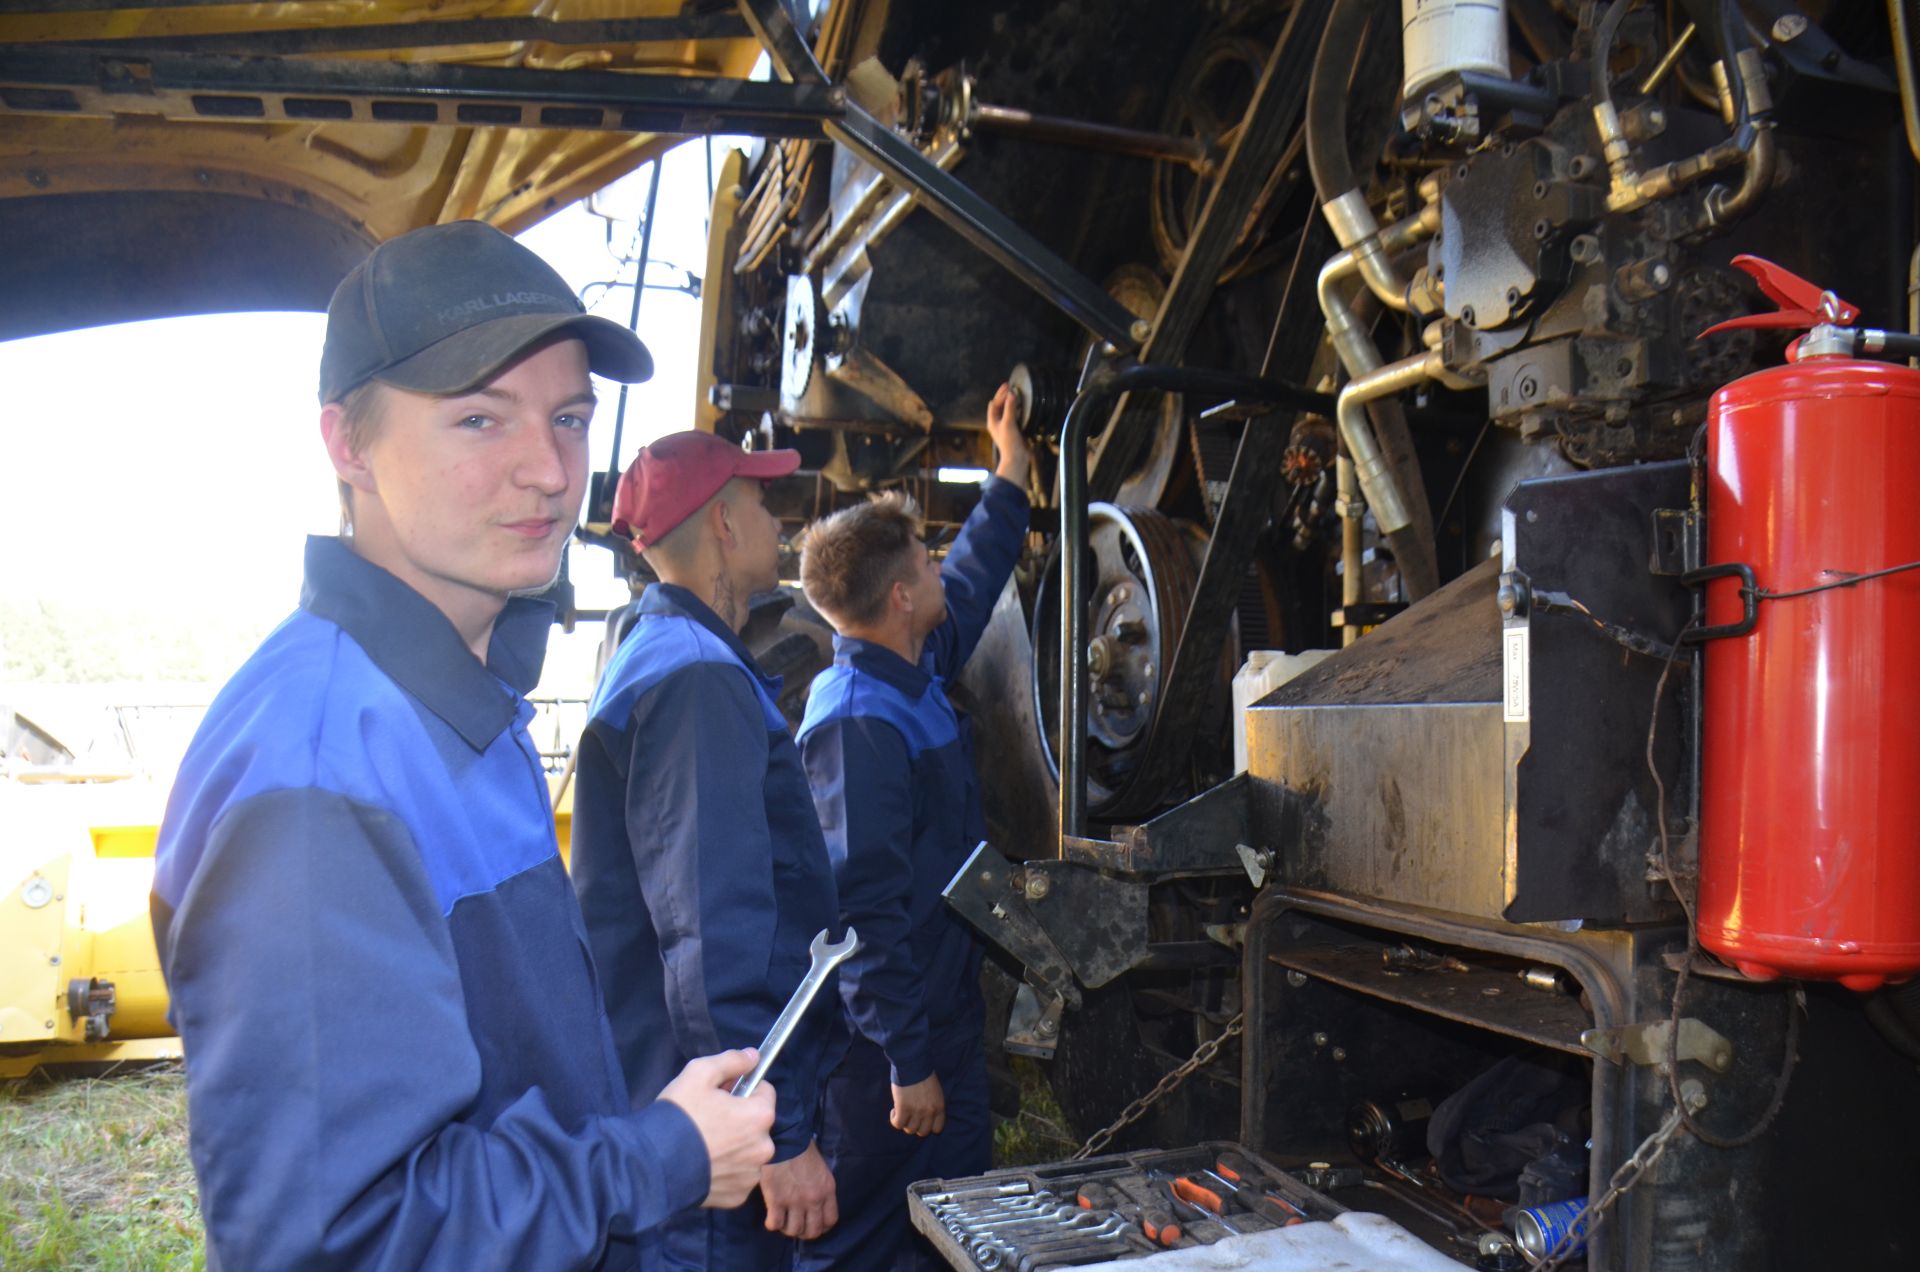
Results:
<point x="1125" y="1205"/>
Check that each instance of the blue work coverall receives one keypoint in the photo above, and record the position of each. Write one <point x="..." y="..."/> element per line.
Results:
<point x="703" y="877"/>
<point x="397" y="1055"/>
<point x="891" y="767"/>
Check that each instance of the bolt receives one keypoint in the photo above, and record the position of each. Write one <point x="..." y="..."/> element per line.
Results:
<point x="1140" y="330"/>
<point x="1693" y="1094"/>
<point x="1038" y="885"/>
<point x="1142" y="699"/>
<point x="837" y="96"/>
<point x="1297" y="979"/>
<point x="1099" y="656"/>
<point x="49" y="1024"/>
<point x="1120" y="595"/>
<point x="1338" y="1054"/>
<point x="1319" y="1040"/>
<point x="1790" y="26"/>
<point x="1048" y="1026"/>
<point x="1661" y="274"/>
<point x="1584" y="248"/>
<point x="54" y="961"/>
<point x="36" y="178"/>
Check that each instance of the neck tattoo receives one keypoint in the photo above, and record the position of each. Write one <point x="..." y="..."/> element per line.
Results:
<point x="723" y="601"/>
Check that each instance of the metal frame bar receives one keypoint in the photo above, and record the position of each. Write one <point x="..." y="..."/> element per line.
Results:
<point x="51" y="79"/>
<point x="985" y="226"/>
<point x="1271" y="120"/>
<point x="1103" y="382"/>
<point x="371" y="37"/>
<point x="787" y="49"/>
<point x="62" y="80"/>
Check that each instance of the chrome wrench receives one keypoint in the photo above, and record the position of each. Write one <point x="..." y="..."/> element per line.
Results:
<point x="825" y="957"/>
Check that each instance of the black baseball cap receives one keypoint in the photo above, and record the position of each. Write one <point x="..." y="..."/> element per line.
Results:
<point x="443" y="309"/>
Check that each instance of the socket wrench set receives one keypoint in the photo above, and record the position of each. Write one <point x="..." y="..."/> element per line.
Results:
<point x="1125" y="1205"/>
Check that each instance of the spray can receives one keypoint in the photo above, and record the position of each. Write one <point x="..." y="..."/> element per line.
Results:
<point x="1540" y="1228"/>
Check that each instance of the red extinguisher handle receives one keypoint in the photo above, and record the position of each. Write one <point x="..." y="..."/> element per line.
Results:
<point x="1803" y="305"/>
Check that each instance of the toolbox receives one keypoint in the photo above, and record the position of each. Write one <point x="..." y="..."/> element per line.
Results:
<point x="1120" y="1206"/>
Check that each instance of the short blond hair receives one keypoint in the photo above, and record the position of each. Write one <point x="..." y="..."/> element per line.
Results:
<point x="851" y="560"/>
<point x="362" y="414"/>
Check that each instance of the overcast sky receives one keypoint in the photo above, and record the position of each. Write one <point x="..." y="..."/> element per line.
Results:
<point x="174" y="467"/>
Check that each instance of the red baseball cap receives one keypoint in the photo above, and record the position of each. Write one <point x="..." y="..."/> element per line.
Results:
<point x="673" y="478"/>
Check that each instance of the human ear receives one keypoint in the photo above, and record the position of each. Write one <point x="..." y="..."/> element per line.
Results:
<point x="348" y="465"/>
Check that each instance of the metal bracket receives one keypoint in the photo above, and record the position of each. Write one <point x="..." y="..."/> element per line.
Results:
<point x="1648" y="1044"/>
<point x="1257" y="861"/>
<point x="1679" y="541"/>
<point x="1749" y="600"/>
<point x="1034" y="1027"/>
<point x="989" y="892"/>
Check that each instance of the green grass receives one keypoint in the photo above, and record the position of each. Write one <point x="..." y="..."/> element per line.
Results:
<point x="94" y="1174"/>
<point x="94" y="1171"/>
<point x="1039" y="1132"/>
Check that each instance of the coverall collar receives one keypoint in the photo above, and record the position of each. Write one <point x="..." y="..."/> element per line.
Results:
<point x="671" y="598"/>
<point x="881" y="663"/>
<point x="416" y="645"/>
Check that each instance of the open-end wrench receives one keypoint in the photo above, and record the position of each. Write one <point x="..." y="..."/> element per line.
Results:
<point x="825" y="957"/>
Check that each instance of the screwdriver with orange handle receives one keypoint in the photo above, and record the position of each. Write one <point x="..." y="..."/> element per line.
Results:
<point x="1239" y="1176"/>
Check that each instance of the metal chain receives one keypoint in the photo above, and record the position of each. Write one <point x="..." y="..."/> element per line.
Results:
<point x="1588" y="1220"/>
<point x="1138" y="1109"/>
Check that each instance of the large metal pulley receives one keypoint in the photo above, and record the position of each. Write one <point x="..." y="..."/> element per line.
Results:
<point x="1143" y="568"/>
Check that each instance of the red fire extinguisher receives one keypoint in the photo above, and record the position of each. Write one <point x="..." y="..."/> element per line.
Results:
<point x="1810" y="818"/>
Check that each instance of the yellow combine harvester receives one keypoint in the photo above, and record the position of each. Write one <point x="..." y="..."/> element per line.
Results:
<point x="142" y="215"/>
<point x="79" y="977"/>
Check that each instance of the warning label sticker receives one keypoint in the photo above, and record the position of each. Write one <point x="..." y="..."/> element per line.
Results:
<point x="1514" y="673"/>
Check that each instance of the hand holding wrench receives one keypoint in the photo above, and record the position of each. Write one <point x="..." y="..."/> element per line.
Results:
<point x="826" y="957"/>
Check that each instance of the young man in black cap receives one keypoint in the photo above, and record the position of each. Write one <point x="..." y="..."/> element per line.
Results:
<point x="397" y="1051"/>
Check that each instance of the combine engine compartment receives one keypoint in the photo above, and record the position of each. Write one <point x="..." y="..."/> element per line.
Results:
<point x="1342" y="731"/>
<point x="1450" y="309"/>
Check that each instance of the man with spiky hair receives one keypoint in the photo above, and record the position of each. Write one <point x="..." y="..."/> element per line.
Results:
<point x="891" y="768"/>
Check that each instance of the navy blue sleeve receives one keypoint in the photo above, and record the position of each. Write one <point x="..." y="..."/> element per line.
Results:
<point x="697" y="821"/>
<point x="975" y="572"/>
<point x="328" y="1055"/>
<point x="862" y="779"/>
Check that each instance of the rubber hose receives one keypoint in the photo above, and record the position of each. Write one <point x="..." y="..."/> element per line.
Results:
<point x="1730" y="28"/>
<point x="1541" y="28"/>
<point x="1603" y="47"/>
<point x="1892" y="1026"/>
<point x="1327" y="156"/>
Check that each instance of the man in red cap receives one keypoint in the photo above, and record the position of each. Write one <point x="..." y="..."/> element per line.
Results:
<point x="697" y="857"/>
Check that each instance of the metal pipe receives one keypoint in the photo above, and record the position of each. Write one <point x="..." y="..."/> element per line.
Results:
<point x="1723" y="205"/>
<point x="633" y="322"/>
<point x="1353" y="511"/>
<point x="1659" y="72"/>
<point x="1075" y="132"/>
<point x="1370" y="465"/>
<point x="1913" y="297"/>
<point x="1903" y="63"/>
<point x="1100" y="386"/>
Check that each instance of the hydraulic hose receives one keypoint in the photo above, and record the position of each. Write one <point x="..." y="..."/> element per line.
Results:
<point x="1327" y="157"/>
<point x="1603" y="36"/>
